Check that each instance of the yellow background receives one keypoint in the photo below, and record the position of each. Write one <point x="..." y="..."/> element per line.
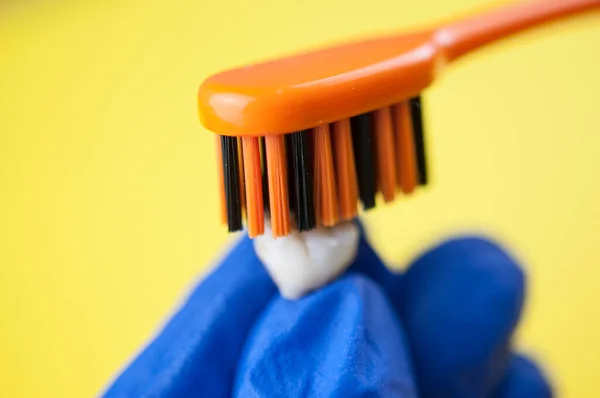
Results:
<point x="108" y="207"/>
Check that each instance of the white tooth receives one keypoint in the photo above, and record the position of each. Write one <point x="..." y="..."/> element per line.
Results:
<point x="303" y="262"/>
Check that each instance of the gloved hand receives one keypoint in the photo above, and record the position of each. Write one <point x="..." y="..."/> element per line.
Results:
<point x="441" y="329"/>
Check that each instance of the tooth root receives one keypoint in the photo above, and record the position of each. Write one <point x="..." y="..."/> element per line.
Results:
<point x="305" y="261"/>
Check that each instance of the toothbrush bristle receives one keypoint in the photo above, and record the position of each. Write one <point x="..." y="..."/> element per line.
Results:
<point x="231" y="175"/>
<point x="362" y="139"/>
<point x="253" y="182"/>
<point x="265" y="175"/>
<point x="384" y="151"/>
<point x="290" y="173"/>
<point x="326" y="202"/>
<point x="345" y="169"/>
<point x="319" y="177"/>
<point x="278" y="184"/>
<point x="240" y="155"/>
<point x="303" y="180"/>
<point x="406" y="167"/>
<point x="416" y="112"/>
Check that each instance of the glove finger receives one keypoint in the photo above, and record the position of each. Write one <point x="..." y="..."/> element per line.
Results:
<point x="460" y="303"/>
<point x="344" y="340"/>
<point x="199" y="347"/>
<point x="524" y="380"/>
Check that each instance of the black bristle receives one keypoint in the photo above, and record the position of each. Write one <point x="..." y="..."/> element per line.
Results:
<point x="416" y="110"/>
<point x="302" y="181"/>
<point x="291" y="176"/>
<point x="231" y="173"/>
<point x="265" y="176"/>
<point x="362" y="141"/>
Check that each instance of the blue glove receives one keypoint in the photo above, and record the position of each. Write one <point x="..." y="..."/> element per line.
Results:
<point x="441" y="329"/>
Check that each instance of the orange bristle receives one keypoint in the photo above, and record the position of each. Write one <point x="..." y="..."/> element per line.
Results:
<point x="221" y="173"/>
<point x="347" y="188"/>
<point x="240" y="153"/>
<point x="326" y="202"/>
<point x="278" y="186"/>
<point x="313" y="177"/>
<point x="405" y="148"/>
<point x="254" y="194"/>
<point x="385" y="157"/>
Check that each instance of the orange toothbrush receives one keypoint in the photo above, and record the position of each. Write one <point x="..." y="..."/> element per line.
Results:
<point x="307" y="138"/>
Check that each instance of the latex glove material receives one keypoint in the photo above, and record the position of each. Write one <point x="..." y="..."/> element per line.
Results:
<point x="196" y="353"/>
<point x="344" y="341"/>
<point x="442" y="329"/>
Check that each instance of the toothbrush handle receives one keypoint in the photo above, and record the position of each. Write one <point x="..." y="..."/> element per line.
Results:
<point x="459" y="38"/>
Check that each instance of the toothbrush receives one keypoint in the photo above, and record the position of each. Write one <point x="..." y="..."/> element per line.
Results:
<point x="306" y="142"/>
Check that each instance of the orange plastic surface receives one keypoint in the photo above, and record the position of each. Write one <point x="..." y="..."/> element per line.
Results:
<point x="309" y="90"/>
